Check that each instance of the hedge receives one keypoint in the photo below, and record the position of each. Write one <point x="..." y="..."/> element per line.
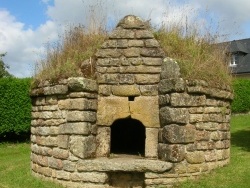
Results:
<point x="241" y="102"/>
<point x="15" y="107"/>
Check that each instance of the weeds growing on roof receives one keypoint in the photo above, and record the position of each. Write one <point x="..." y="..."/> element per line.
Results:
<point x="192" y="46"/>
<point x="65" y="59"/>
<point x="197" y="55"/>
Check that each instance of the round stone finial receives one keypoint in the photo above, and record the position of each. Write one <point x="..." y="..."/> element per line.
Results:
<point x="133" y="22"/>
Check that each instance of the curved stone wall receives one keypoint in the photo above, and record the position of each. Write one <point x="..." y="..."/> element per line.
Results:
<point x="187" y="123"/>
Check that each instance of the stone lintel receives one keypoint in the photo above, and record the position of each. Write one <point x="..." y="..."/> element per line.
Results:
<point x="124" y="164"/>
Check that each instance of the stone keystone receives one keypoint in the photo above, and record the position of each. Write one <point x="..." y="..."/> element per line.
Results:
<point x="133" y="22"/>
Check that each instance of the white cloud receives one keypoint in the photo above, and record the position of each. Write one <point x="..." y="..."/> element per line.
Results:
<point x="23" y="46"/>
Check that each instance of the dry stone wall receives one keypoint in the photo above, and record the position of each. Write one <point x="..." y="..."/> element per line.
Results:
<point x="187" y="123"/>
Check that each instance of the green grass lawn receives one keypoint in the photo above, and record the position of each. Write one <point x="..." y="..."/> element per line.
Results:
<point x="15" y="164"/>
<point x="15" y="168"/>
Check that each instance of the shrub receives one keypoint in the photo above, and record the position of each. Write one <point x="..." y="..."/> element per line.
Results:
<point x="15" y="106"/>
<point x="241" y="102"/>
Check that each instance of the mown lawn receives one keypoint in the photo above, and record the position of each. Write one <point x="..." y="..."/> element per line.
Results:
<point x="15" y="164"/>
<point x="15" y="168"/>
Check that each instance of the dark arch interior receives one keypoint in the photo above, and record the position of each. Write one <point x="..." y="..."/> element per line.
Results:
<point x="128" y="137"/>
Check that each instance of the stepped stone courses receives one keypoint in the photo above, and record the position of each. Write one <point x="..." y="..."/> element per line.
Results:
<point x="186" y="122"/>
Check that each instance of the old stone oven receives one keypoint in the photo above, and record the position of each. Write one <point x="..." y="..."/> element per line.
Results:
<point x="138" y="124"/>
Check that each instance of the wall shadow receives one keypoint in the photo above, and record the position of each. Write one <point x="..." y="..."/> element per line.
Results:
<point x="241" y="139"/>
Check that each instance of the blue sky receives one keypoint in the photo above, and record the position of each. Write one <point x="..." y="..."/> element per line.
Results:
<point x="27" y="26"/>
<point x="30" y="12"/>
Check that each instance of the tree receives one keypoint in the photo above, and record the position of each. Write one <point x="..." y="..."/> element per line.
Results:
<point x="3" y="68"/>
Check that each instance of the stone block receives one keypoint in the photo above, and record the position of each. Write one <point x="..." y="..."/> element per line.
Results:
<point x="108" y="53"/>
<point x="196" y="157"/>
<point x="83" y="147"/>
<point x="51" y="100"/>
<point x="111" y="109"/>
<point x="205" y="145"/>
<point x="215" y="135"/>
<point x="151" y="143"/>
<point x="46" y="141"/>
<point x="119" y="33"/>
<point x="94" y="177"/>
<point x="48" y="115"/>
<point x="135" y="61"/>
<point x="86" y="116"/>
<point x="131" y="52"/>
<point x="193" y="168"/>
<point x="42" y="160"/>
<point x="109" y="44"/>
<point x="69" y="166"/>
<point x="214" y="92"/>
<point x="55" y="163"/>
<point x="104" y="90"/>
<point x="140" y="69"/>
<point x="202" y="135"/>
<point x="132" y="22"/>
<point x="152" y="43"/>
<point x="123" y="164"/>
<point x="141" y="109"/>
<point x="147" y="78"/>
<point x="125" y="90"/>
<point x="196" y="118"/>
<point x="57" y="89"/>
<point x="171" y="153"/>
<point x="171" y="85"/>
<point x="173" y="115"/>
<point x="210" y="126"/>
<point x="164" y="100"/>
<point x="108" y="78"/>
<point x="63" y="141"/>
<point x="144" y="34"/>
<point x="178" y="134"/>
<point x="149" y="61"/>
<point x="127" y="79"/>
<point x="184" y="99"/>
<point x="170" y="69"/>
<point x="107" y="62"/>
<point x="152" y="52"/>
<point x="196" y="110"/>
<point x="60" y="153"/>
<point x="82" y="84"/>
<point x="135" y="43"/>
<point x="62" y="175"/>
<point x="43" y="131"/>
<point x="103" y="142"/>
<point x="180" y="168"/>
<point x="45" y="171"/>
<point x="82" y="128"/>
<point x="148" y="90"/>
<point x="78" y="104"/>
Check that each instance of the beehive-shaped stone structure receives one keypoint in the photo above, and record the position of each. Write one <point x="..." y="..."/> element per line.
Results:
<point x="138" y="124"/>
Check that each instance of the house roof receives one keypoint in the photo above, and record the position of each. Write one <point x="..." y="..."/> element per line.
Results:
<point x="241" y="48"/>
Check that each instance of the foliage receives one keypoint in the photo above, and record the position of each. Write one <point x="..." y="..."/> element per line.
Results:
<point x="65" y="59"/>
<point x="15" y="106"/>
<point x="196" y="54"/>
<point x="241" y="102"/>
<point x="3" y="68"/>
